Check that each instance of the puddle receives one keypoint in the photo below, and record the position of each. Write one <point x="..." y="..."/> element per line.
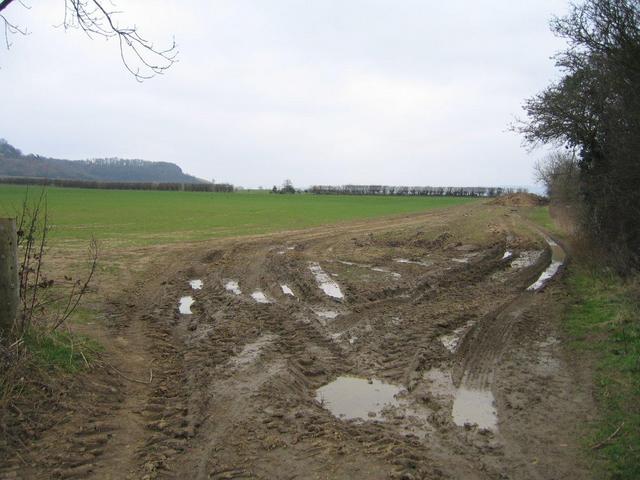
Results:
<point x="286" y="290"/>
<point x="384" y="270"/>
<point x="324" y="315"/>
<point x="557" y="259"/>
<point x="325" y="282"/>
<point x="460" y="260"/>
<point x="353" y="398"/>
<point x="233" y="287"/>
<point x="507" y="254"/>
<point x="196" y="284"/>
<point x="344" y="262"/>
<point x="252" y="351"/>
<point x="526" y="259"/>
<point x="477" y="407"/>
<point x="451" y="341"/>
<point x="185" y="305"/>
<point x="260" y="297"/>
<point x="414" y="262"/>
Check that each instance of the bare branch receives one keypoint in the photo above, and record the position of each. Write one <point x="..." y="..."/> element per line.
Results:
<point x="139" y="55"/>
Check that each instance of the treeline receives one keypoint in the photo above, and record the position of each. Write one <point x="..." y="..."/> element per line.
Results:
<point x="413" y="191"/>
<point x="165" y="186"/>
<point x="593" y="111"/>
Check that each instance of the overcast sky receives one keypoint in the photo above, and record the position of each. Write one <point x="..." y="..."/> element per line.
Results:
<point x="405" y="92"/>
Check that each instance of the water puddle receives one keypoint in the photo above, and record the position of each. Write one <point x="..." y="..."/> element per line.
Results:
<point x="325" y="282"/>
<point x="414" y="262"/>
<point x="353" y="398"/>
<point x="185" y="305"/>
<point x="460" y="260"/>
<point x="375" y="269"/>
<point x="451" y="341"/>
<point x="260" y="297"/>
<point x="233" y="287"/>
<point x="472" y="406"/>
<point x="384" y="270"/>
<point x="557" y="259"/>
<point x="196" y="284"/>
<point x="545" y="276"/>
<point x="526" y="259"/>
<point x="286" y="290"/>
<point x="252" y="351"/>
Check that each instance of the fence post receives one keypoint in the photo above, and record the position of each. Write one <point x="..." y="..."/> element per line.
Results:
<point x="9" y="289"/>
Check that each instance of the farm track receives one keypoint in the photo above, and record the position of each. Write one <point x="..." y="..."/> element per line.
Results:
<point x="233" y="385"/>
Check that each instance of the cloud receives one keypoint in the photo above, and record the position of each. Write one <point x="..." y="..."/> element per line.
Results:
<point x="360" y="91"/>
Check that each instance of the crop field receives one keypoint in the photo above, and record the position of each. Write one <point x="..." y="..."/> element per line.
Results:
<point x="356" y="337"/>
<point x="152" y="217"/>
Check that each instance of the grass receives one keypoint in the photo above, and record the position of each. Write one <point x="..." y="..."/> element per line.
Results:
<point x="60" y="350"/>
<point x="150" y="217"/>
<point x="603" y="321"/>
<point x="541" y="216"/>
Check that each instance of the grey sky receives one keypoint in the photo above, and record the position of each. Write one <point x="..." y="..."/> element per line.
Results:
<point x="402" y="92"/>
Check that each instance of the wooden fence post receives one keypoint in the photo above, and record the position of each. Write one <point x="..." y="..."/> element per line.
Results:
<point x="9" y="289"/>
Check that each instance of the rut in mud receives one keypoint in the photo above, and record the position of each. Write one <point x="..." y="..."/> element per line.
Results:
<point x="289" y="334"/>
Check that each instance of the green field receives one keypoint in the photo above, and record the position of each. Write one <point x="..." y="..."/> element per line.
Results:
<point x="147" y="217"/>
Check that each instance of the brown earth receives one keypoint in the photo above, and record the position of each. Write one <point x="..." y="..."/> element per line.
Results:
<point x="230" y="391"/>
<point x="520" y="200"/>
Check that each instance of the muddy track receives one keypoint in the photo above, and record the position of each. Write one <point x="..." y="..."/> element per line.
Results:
<point x="233" y="390"/>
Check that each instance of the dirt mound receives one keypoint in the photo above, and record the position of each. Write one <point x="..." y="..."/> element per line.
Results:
<point x="520" y="200"/>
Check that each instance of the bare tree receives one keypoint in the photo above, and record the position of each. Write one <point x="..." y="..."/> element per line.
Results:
<point x="139" y="55"/>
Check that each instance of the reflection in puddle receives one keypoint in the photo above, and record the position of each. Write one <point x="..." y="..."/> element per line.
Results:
<point x="260" y="297"/>
<point x="325" y="282"/>
<point x="357" y="398"/>
<point x="252" y="351"/>
<point x="185" y="305"/>
<point x="414" y="262"/>
<point x="452" y="340"/>
<point x="557" y="259"/>
<point x="233" y="287"/>
<point x="196" y="284"/>
<point x="384" y="270"/>
<point x="526" y="259"/>
<point x="477" y="407"/>
<point x="460" y="260"/>
<point x="286" y="290"/>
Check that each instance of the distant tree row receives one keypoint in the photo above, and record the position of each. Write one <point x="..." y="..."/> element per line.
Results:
<point x="413" y="191"/>
<point x="287" y="187"/>
<point x="167" y="186"/>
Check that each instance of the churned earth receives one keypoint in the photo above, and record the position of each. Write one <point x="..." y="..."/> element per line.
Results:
<point x="406" y="347"/>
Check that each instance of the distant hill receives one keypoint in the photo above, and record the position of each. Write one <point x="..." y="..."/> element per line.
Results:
<point x="13" y="163"/>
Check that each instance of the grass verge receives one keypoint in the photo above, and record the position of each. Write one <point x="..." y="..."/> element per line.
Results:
<point x="604" y="321"/>
<point x="60" y="351"/>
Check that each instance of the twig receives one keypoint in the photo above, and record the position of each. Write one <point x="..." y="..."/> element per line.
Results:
<point x="129" y="378"/>
<point x="608" y="439"/>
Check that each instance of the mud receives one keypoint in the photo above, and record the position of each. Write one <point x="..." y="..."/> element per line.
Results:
<point x="468" y="376"/>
